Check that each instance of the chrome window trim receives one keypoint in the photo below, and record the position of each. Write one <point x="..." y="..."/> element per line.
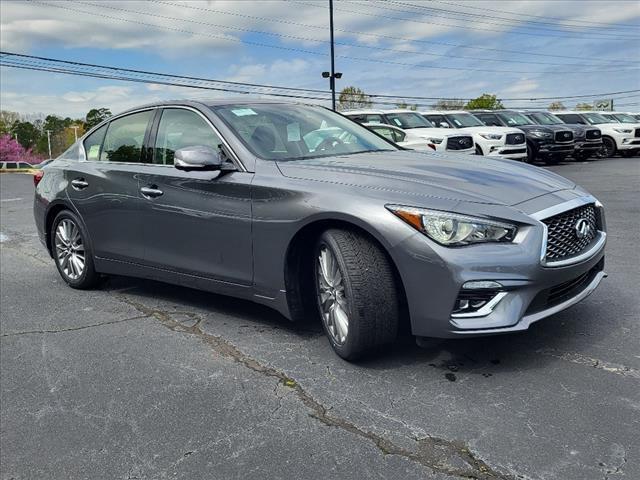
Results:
<point x="564" y="207"/>
<point x="236" y="160"/>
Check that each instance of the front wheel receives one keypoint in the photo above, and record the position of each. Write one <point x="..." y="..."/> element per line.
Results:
<point x="356" y="292"/>
<point x="608" y="147"/>
<point x="72" y="251"/>
<point x="531" y="154"/>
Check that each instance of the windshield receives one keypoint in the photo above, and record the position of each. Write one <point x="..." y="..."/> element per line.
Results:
<point x="624" y="118"/>
<point x="408" y="120"/>
<point x="596" y="118"/>
<point x="544" y="118"/>
<point x="461" y="120"/>
<point x="514" y="119"/>
<point x="291" y="132"/>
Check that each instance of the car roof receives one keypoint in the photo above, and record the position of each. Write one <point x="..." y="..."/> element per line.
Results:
<point x="443" y="112"/>
<point x="363" y="112"/>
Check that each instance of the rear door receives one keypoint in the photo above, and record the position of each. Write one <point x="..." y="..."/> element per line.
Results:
<point x="104" y="188"/>
<point x="196" y="223"/>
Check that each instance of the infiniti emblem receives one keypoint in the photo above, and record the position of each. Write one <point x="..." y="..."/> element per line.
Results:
<point x="462" y="141"/>
<point x="583" y="228"/>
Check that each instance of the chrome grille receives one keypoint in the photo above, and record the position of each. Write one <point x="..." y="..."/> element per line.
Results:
<point x="563" y="239"/>
<point x="459" y="143"/>
<point x="514" y="138"/>
<point x="564" y="136"/>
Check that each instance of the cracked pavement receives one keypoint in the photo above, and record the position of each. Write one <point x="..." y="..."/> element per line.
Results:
<point x="144" y="380"/>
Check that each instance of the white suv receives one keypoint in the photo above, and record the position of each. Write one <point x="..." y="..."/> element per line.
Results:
<point x="504" y="142"/>
<point x="616" y="137"/>
<point x="418" y="129"/>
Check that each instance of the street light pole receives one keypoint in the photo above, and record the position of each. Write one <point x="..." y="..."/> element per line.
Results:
<point x="49" y="141"/>
<point x="333" y="62"/>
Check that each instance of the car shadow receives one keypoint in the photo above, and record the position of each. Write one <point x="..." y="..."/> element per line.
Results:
<point x="484" y="356"/>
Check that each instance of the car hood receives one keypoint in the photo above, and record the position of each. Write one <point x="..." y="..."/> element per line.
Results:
<point x="487" y="129"/>
<point x="447" y="176"/>
<point x="545" y="128"/>
<point x="427" y="133"/>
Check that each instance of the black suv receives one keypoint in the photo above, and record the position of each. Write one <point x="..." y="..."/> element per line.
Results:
<point x="588" y="139"/>
<point x="549" y="143"/>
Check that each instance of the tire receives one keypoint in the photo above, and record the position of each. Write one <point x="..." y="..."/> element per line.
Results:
<point x="72" y="251"/>
<point x="479" y="150"/>
<point x="609" y="147"/>
<point x="531" y="154"/>
<point x="360" y="284"/>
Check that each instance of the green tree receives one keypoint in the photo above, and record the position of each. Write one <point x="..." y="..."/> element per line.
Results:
<point x="485" y="101"/>
<point x="95" y="116"/>
<point x="453" y="104"/>
<point x="26" y="132"/>
<point x="352" y="97"/>
<point x="584" y="106"/>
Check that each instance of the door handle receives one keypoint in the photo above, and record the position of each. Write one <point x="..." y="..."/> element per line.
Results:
<point x="79" y="183"/>
<point x="151" y="192"/>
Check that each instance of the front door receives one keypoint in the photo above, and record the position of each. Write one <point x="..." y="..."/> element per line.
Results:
<point x="104" y="188"/>
<point x="195" y="223"/>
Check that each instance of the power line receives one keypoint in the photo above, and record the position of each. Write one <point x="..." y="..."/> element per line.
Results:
<point x="468" y="6"/>
<point x="26" y="66"/>
<point x="348" y="57"/>
<point x="315" y="40"/>
<point x="471" y="27"/>
<point x="512" y="21"/>
<point x="389" y="37"/>
<point x="191" y="79"/>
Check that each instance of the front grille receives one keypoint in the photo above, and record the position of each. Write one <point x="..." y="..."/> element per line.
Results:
<point x="567" y="233"/>
<point x="564" y="136"/>
<point x="637" y="132"/>
<point x="459" y="143"/>
<point x="564" y="291"/>
<point x="514" y="138"/>
<point x="594" y="135"/>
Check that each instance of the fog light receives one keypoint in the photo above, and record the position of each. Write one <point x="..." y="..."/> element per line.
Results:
<point x="478" y="301"/>
<point x="481" y="285"/>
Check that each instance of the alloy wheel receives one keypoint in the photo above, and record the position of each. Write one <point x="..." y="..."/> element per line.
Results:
<point x="331" y="296"/>
<point x="70" y="252"/>
<point x="608" y="147"/>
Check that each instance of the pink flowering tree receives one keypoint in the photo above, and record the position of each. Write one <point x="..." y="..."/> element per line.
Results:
<point x="12" y="151"/>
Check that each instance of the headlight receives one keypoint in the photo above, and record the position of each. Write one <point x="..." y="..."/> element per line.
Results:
<point x="491" y="136"/>
<point x="541" y="134"/>
<point x="623" y="130"/>
<point x="452" y="229"/>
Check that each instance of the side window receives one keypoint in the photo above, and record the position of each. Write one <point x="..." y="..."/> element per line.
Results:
<point x="571" y="118"/>
<point x="373" y="118"/>
<point x="385" y="132"/>
<point x="490" y="120"/>
<point x="93" y="143"/>
<point x="180" y="128"/>
<point x="11" y="165"/>
<point x="399" y="136"/>
<point x="124" y="138"/>
<point x="24" y="165"/>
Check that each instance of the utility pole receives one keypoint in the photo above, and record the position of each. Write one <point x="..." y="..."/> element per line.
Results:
<point x="49" y="141"/>
<point x="75" y="131"/>
<point x="332" y="75"/>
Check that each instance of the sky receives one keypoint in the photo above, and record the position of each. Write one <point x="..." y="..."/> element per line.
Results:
<point x="440" y="48"/>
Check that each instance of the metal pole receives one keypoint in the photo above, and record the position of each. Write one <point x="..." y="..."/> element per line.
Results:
<point x="333" y="63"/>
<point x="49" y="141"/>
<point x="75" y="131"/>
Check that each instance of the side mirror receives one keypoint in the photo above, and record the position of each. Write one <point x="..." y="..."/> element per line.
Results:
<point x="444" y="125"/>
<point x="199" y="157"/>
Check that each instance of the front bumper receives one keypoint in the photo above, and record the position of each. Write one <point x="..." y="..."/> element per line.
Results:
<point x="501" y="150"/>
<point x="587" y="146"/>
<point x="550" y="149"/>
<point x="433" y="277"/>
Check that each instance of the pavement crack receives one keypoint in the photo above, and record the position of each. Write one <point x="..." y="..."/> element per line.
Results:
<point x="436" y="454"/>
<point x="73" y="329"/>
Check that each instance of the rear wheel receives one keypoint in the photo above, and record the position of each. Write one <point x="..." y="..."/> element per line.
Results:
<point x="356" y="293"/>
<point x="608" y="147"/>
<point x="72" y="251"/>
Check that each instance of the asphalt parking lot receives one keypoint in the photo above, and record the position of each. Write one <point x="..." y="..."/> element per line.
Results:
<point x="141" y="380"/>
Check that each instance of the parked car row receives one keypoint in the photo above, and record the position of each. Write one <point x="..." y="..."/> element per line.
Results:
<point x="528" y="135"/>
